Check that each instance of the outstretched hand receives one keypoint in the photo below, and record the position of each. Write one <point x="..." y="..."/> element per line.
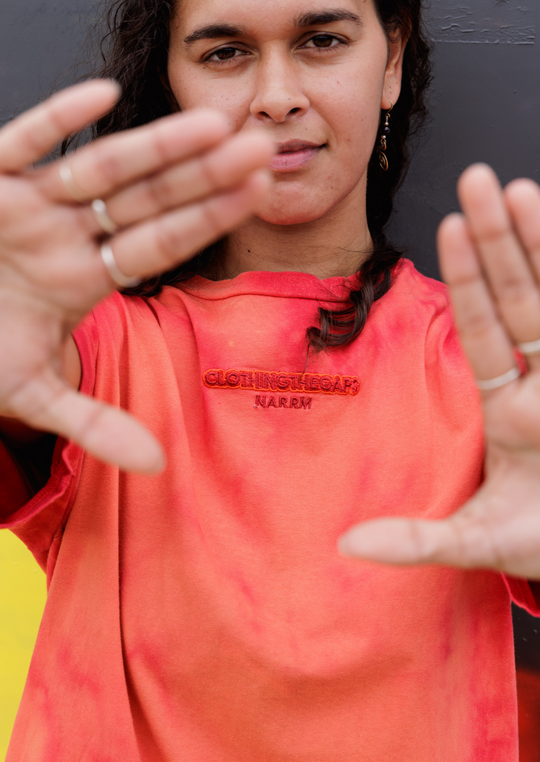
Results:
<point x="490" y="259"/>
<point x="170" y="187"/>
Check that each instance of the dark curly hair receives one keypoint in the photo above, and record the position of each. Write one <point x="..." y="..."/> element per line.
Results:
<point x="134" y="52"/>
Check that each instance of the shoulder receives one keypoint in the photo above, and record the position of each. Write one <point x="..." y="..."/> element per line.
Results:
<point x="415" y="302"/>
<point x="119" y="316"/>
<point x="422" y="305"/>
<point x="417" y="314"/>
<point x="408" y="281"/>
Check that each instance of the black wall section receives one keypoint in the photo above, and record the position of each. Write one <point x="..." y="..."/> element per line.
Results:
<point x="39" y="41"/>
<point x="485" y="107"/>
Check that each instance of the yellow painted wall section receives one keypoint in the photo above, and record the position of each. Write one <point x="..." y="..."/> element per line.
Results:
<point x="22" y="599"/>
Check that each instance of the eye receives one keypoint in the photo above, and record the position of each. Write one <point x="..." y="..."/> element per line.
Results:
<point x="223" y="55"/>
<point x="323" y="41"/>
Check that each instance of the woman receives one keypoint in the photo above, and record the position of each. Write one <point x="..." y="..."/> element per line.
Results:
<point x="204" y="613"/>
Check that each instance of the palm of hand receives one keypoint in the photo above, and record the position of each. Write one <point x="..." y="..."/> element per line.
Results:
<point x="490" y="260"/>
<point x="171" y="187"/>
<point x="499" y="527"/>
<point x="49" y="279"/>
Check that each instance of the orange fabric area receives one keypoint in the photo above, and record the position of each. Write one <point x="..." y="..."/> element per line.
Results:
<point x="205" y="614"/>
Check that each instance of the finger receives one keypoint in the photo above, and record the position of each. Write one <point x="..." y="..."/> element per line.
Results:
<point x="523" y="203"/>
<point x="110" y="434"/>
<point x="224" y="167"/>
<point x="483" y="338"/>
<point x="504" y="262"/>
<point x="110" y="163"/>
<point x="161" y="244"/>
<point x="32" y="135"/>
<point x="408" y="542"/>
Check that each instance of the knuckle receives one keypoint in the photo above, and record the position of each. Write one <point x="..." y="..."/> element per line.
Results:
<point x="57" y="119"/>
<point x="477" y="324"/>
<point x="417" y="541"/>
<point x="107" y="165"/>
<point x="88" y="423"/>
<point x="160" y="190"/>
<point x="464" y="281"/>
<point x="216" y="221"/>
<point x="34" y="141"/>
<point x="208" y="172"/>
<point x="161" y="144"/>
<point x="169" y="241"/>
<point x="514" y="289"/>
<point x="494" y="233"/>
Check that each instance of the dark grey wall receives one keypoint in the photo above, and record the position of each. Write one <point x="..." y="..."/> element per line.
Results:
<point x="485" y="107"/>
<point x="39" y="40"/>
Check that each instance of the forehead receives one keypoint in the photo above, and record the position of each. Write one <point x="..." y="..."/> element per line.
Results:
<point x="258" y="15"/>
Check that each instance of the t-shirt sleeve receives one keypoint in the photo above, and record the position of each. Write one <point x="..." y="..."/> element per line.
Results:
<point x="524" y="594"/>
<point x="39" y="520"/>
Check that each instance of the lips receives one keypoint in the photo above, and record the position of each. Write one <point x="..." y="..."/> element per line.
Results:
<point x="293" y="155"/>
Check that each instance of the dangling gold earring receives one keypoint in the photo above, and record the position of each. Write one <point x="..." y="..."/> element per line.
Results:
<point x="383" y="145"/>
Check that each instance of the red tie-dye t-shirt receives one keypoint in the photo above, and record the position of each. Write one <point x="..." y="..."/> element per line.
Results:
<point x="205" y="615"/>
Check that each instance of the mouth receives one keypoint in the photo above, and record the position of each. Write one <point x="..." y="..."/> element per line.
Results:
<point x="294" y="154"/>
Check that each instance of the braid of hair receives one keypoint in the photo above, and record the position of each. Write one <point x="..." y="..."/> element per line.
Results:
<point x="340" y="327"/>
<point x="374" y="277"/>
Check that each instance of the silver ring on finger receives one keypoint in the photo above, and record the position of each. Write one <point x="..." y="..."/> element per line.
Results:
<point x="121" y="280"/>
<point x="103" y="218"/>
<point x="68" y="181"/>
<point x="529" y="347"/>
<point x="495" y="383"/>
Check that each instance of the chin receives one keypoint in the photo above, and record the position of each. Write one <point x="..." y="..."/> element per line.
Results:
<point x="291" y="213"/>
<point x="286" y="219"/>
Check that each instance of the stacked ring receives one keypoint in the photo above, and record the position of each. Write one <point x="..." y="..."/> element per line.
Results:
<point x="103" y="218"/>
<point x="121" y="280"/>
<point x="105" y="222"/>
<point x="529" y="347"/>
<point x="498" y="381"/>
<point x="66" y="175"/>
<point x="526" y="348"/>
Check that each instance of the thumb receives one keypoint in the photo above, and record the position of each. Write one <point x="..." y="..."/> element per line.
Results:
<point x="406" y="542"/>
<point x="108" y="433"/>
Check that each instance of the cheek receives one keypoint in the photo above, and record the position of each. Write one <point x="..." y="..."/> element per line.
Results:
<point x="193" y="89"/>
<point x="352" y="109"/>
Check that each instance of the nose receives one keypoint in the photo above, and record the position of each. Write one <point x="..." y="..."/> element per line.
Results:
<point x="279" y="93"/>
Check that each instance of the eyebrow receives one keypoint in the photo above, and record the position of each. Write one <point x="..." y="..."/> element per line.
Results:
<point x="214" y="32"/>
<point x="314" y="18"/>
<point x="328" y="16"/>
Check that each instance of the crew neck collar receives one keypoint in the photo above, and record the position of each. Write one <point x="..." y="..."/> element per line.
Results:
<point x="281" y="284"/>
<point x="285" y="284"/>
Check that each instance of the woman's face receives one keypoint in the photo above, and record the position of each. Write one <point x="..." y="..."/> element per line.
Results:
<point x="313" y="73"/>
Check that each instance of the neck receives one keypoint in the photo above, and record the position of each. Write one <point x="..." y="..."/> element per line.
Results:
<point x="334" y="245"/>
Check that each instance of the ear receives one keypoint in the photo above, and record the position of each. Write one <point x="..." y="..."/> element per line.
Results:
<point x="394" y="69"/>
<point x="175" y="108"/>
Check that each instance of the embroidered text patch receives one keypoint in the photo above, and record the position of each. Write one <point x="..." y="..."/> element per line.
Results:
<point x="261" y="381"/>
